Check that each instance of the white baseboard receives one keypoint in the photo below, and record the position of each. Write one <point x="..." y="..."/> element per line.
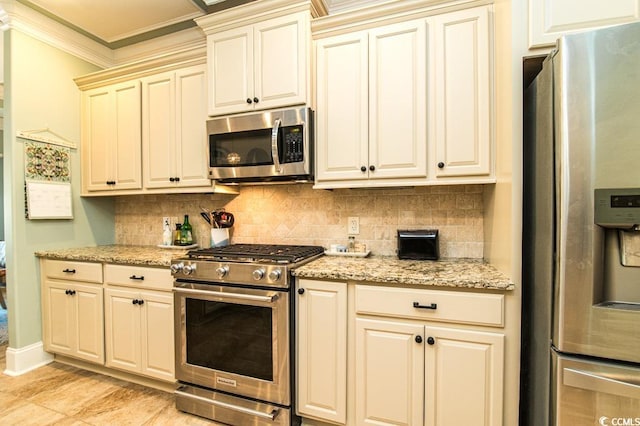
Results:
<point x="23" y="360"/>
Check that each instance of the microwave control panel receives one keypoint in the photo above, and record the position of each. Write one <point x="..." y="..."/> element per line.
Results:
<point x="293" y="144"/>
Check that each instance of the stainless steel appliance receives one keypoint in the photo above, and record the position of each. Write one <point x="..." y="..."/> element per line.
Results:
<point x="581" y="238"/>
<point x="234" y="317"/>
<point x="270" y="146"/>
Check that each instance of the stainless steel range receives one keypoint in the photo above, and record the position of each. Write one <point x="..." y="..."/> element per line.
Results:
<point x="234" y="332"/>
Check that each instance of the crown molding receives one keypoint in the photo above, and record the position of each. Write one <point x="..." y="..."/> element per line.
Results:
<point x="16" y="16"/>
<point x="186" y="40"/>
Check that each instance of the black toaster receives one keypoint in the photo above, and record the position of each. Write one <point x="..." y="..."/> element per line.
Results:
<point x="418" y="244"/>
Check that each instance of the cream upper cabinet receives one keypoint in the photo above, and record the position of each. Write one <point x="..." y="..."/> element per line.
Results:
<point x="463" y="368"/>
<point x="389" y="384"/>
<point x="321" y="332"/>
<point x="259" y="66"/>
<point x="550" y="19"/>
<point x="72" y="309"/>
<point x="111" y="138"/>
<point x="461" y="90"/>
<point x="371" y="106"/>
<point x="174" y="129"/>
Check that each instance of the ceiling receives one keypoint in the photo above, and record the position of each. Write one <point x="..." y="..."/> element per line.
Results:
<point x="117" y="23"/>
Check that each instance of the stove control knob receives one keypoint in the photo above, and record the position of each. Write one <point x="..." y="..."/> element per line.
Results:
<point x="189" y="269"/>
<point x="275" y="275"/>
<point x="176" y="267"/>
<point x="258" y="274"/>
<point x="222" y="271"/>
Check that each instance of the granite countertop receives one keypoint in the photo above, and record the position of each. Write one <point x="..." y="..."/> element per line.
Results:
<point x="130" y="255"/>
<point x="462" y="273"/>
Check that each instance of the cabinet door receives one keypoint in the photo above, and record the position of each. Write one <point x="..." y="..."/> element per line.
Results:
<point x="322" y="350"/>
<point x="230" y="64"/>
<point x="59" y="317"/>
<point x="550" y="19"/>
<point x="191" y="153"/>
<point x="157" y="344"/>
<point x="389" y="373"/>
<point x="89" y="325"/>
<point x="398" y="101"/>
<point x="280" y="55"/>
<point x="111" y="138"/>
<point x="158" y="130"/>
<point x="461" y="84"/>
<point x="122" y="329"/>
<point x="342" y="118"/>
<point x="463" y="369"/>
<point x="127" y="136"/>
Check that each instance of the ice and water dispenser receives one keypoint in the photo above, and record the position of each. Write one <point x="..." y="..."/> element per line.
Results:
<point x="617" y="211"/>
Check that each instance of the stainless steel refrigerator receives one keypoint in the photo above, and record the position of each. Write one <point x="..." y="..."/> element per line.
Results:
<point x="581" y="233"/>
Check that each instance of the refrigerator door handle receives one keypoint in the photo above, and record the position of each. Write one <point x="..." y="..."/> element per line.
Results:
<point x="592" y="382"/>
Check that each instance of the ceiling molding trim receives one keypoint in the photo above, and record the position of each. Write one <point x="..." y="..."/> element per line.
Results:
<point x="14" y="15"/>
<point x="189" y="39"/>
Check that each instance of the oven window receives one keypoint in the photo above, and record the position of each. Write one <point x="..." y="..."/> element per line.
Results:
<point x="230" y="337"/>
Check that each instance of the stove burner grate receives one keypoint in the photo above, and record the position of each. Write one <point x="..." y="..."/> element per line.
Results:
<point x="277" y="253"/>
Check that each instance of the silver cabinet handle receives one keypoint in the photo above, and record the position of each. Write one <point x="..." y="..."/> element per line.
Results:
<point x="268" y="416"/>
<point x="592" y="382"/>
<point x="274" y="145"/>
<point x="269" y="299"/>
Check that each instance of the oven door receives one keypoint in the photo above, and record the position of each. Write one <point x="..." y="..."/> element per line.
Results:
<point x="233" y="339"/>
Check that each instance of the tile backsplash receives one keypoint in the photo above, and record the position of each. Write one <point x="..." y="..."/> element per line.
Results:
<point x="298" y="214"/>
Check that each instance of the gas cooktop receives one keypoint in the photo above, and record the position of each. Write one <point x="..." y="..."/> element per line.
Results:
<point x="245" y="253"/>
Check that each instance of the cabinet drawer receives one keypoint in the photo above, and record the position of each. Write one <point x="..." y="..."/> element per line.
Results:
<point x="138" y="276"/>
<point x="73" y="271"/>
<point x="446" y="306"/>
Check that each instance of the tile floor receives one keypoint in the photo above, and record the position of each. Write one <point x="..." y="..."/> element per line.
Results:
<point x="58" y="394"/>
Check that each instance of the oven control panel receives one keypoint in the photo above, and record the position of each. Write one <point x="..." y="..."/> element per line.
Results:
<point x="229" y="272"/>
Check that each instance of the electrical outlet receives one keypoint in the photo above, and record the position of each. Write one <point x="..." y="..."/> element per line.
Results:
<point x="353" y="225"/>
<point x="166" y="221"/>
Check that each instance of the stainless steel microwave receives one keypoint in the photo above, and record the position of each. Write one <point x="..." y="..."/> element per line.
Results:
<point x="270" y="146"/>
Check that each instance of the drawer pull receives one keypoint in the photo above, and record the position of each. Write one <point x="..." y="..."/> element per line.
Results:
<point x="417" y="305"/>
<point x="69" y="271"/>
<point x="135" y="277"/>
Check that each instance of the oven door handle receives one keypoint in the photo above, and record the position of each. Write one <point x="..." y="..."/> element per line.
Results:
<point x="274" y="145"/>
<point x="268" y="416"/>
<point x="250" y="297"/>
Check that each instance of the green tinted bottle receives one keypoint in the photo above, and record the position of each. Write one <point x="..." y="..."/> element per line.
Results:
<point x="186" y="236"/>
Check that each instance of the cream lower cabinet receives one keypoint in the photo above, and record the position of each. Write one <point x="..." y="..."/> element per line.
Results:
<point x="139" y="321"/>
<point x="321" y="332"/>
<point x="72" y="309"/>
<point x="416" y="357"/>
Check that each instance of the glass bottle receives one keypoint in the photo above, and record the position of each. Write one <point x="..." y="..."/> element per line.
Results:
<point x="177" y="234"/>
<point x="186" y="237"/>
<point x="351" y="247"/>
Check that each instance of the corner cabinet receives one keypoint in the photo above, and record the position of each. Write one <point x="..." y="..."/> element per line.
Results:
<point x="72" y="309"/>
<point x="111" y="139"/>
<point x="409" y="103"/>
<point x="174" y="140"/>
<point x="446" y="347"/>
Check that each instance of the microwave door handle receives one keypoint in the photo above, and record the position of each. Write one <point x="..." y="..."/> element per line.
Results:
<point x="274" y="145"/>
